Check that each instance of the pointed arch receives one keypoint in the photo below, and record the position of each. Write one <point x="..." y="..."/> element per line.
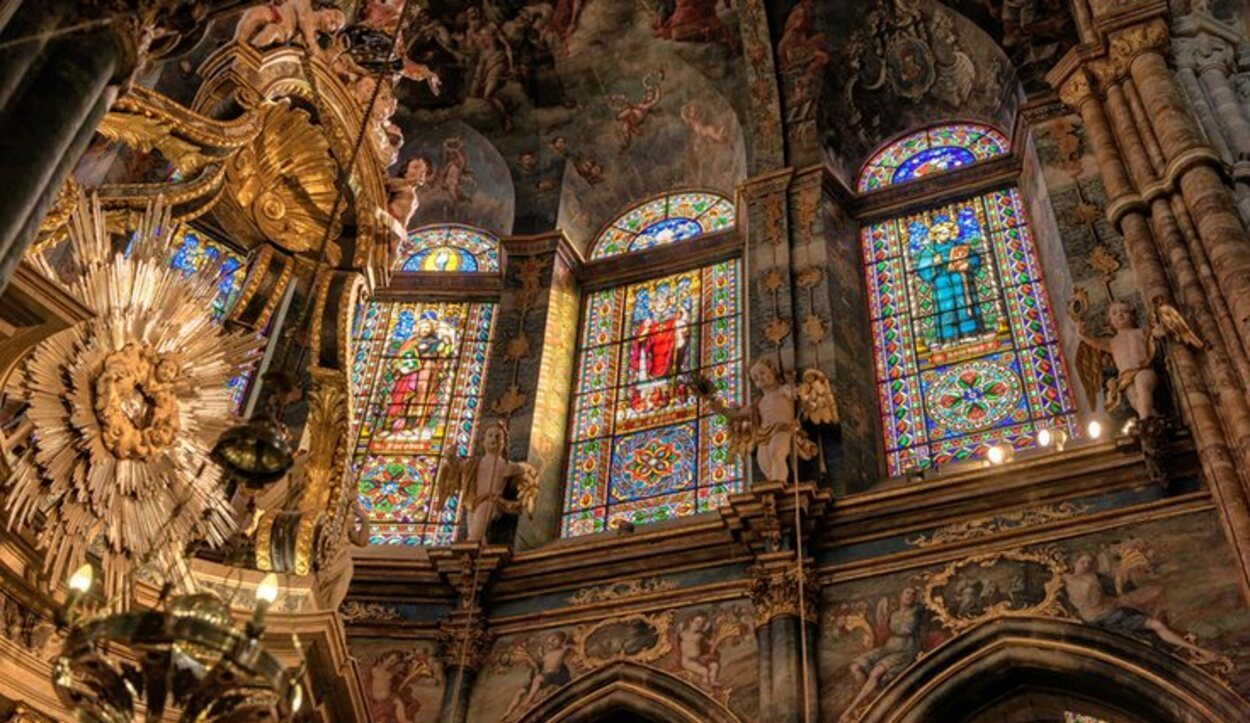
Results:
<point x="628" y="686"/>
<point x="1019" y="653"/>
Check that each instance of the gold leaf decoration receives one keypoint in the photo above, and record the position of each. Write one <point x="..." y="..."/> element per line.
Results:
<point x="125" y="409"/>
<point x="282" y="185"/>
<point x="772" y="280"/>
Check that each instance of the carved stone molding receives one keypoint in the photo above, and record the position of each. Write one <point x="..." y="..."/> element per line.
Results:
<point x="761" y="517"/>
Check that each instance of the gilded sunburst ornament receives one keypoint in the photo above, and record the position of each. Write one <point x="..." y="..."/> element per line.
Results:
<point x="125" y="408"/>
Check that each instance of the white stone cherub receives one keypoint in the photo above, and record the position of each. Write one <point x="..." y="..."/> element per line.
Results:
<point x="1132" y="350"/>
<point x="276" y="23"/>
<point x="770" y="425"/>
<point x="481" y="481"/>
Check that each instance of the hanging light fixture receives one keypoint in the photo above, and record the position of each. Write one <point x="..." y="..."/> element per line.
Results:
<point x="188" y="654"/>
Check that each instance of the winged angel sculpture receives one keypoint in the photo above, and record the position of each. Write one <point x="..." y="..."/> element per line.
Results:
<point x="481" y="481"/>
<point x="770" y="425"/>
<point x="1131" y="350"/>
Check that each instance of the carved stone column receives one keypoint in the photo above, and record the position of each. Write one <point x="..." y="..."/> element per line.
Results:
<point x="61" y="62"/>
<point x="465" y="636"/>
<point x="1206" y="51"/>
<point x="773" y="522"/>
<point x="767" y="266"/>
<point x="1200" y="386"/>
<point x="1192" y="165"/>
<point x="531" y="372"/>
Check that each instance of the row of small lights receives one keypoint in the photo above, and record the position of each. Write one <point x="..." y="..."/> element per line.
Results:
<point x="1047" y="438"/>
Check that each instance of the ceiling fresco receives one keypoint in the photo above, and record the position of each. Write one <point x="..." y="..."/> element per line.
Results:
<point x="561" y="113"/>
<point x="592" y="105"/>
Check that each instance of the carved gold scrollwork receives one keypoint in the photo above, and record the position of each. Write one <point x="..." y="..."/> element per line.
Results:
<point x="281" y="186"/>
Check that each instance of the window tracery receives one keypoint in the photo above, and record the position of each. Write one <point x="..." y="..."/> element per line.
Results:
<point x="448" y="248"/>
<point x="662" y="221"/>
<point x="964" y="339"/>
<point x="930" y="151"/>
<point x="643" y="447"/>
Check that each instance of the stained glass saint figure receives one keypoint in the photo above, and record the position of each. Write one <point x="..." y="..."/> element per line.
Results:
<point x="947" y="260"/>
<point x="419" y="374"/>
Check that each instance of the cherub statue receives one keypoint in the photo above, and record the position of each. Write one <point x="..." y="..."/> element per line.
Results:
<point x="403" y="202"/>
<point x="481" y="482"/>
<point x="770" y="425"/>
<point x="1132" y="350"/>
<point x="277" y="23"/>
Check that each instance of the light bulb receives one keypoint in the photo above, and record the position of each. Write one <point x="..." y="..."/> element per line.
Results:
<point x="267" y="590"/>
<point x="297" y="698"/>
<point x="1094" y="429"/>
<point x="80" y="581"/>
<point x="996" y="454"/>
<point x="1044" y="438"/>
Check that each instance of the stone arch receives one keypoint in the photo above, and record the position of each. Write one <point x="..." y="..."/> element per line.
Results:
<point x="1004" y="656"/>
<point x="627" y="686"/>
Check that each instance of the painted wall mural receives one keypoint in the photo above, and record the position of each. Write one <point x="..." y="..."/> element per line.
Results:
<point x="1167" y="583"/>
<point x="712" y="647"/>
<point x="901" y="63"/>
<point x="402" y="680"/>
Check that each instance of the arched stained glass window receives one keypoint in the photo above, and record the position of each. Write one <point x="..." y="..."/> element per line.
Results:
<point x="193" y="250"/>
<point x="448" y="248"/>
<point x="964" y="337"/>
<point x="930" y="151"/>
<point x="417" y="377"/>
<point x="643" y="446"/>
<point x="676" y="217"/>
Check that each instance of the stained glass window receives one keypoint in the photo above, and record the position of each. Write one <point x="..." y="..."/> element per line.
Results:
<point x="193" y="251"/>
<point x="448" y="248"/>
<point x="932" y="150"/>
<point x="964" y="338"/>
<point x="662" y="221"/>
<point x="644" y="448"/>
<point x="416" y="380"/>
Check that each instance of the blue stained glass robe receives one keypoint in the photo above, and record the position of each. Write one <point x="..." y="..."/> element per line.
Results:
<point x="954" y="290"/>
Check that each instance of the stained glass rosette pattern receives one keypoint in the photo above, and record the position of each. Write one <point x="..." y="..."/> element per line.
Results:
<point x="964" y="338"/>
<point x="193" y="251"/>
<point x="417" y="377"/>
<point x="931" y="151"/>
<point x="678" y="217"/>
<point x="644" y="448"/>
<point x="448" y="249"/>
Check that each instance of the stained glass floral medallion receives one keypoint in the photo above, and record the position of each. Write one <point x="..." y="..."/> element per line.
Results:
<point x="965" y="343"/>
<point x="644" y="447"/>
<point x="663" y="221"/>
<point x="448" y="249"/>
<point x="416" y="377"/>
<point x="933" y="150"/>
